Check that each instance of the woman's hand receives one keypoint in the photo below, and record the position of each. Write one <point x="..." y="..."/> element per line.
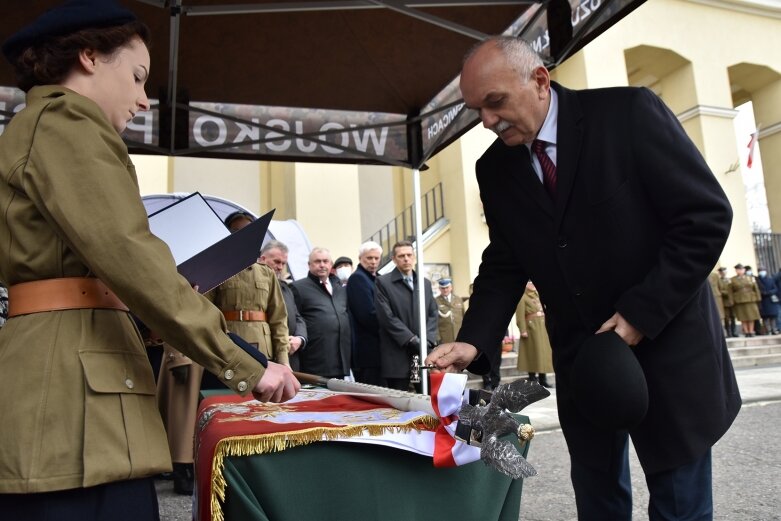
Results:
<point x="277" y="384"/>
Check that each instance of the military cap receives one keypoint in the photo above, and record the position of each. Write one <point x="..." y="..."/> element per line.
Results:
<point x="67" y="18"/>
<point x="608" y="383"/>
<point x="343" y="260"/>
<point x="443" y="283"/>
<point x="738" y="266"/>
<point x="722" y="269"/>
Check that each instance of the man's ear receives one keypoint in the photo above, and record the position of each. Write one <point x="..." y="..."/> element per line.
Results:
<point x="541" y="78"/>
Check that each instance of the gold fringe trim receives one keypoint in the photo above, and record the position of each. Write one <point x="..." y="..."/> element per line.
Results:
<point x="254" y="444"/>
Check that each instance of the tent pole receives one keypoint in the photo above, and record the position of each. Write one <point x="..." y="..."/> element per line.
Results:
<point x="421" y="293"/>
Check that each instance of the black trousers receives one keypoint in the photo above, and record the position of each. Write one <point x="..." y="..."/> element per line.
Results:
<point x="680" y="494"/>
<point x="369" y="375"/>
<point x="133" y="500"/>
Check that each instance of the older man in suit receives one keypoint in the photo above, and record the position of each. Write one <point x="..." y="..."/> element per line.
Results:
<point x="576" y="181"/>
<point x="322" y="301"/>
<point x="397" y="306"/>
<point x="274" y="255"/>
<point x="363" y="315"/>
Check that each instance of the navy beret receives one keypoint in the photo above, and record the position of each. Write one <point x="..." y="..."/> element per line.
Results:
<point x="67" y="18"/>
<point x="608" y="383"/>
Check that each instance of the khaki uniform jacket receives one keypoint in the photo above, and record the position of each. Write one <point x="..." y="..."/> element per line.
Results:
<point x="745" y="296"/>
<point x="534" y="351"/>
<point x="715" y="285"/>
<point x="78" y="406"/>
<point x="726" y="293"/>
<point x="450" y="316"/>
<point x="256" y="289"/>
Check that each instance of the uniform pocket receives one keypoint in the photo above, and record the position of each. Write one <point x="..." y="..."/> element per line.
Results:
<point x="123" y="433"/>
<point x="117" y="372"/>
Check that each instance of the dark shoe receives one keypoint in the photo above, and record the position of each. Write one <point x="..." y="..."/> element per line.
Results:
<point x="183" y="478"/>
<point x="532" y="377"/>
<point x="164" y="476"/>
<point x="544" y="381"/>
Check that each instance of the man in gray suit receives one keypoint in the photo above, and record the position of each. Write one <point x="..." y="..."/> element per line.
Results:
<point x="322" y="301"/>
<point x="274" y="255"/>
<point x="396" y="301"/>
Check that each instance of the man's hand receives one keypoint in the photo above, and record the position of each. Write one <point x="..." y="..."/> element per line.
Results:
<point x="295" y="344"/>
<point x="452" y="357"/>
<point x="624" y="329"/>
<point x="524" y="334"/>
<point x="276" y="385"/>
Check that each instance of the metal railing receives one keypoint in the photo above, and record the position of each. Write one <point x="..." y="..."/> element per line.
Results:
<point x="402" y="227"/>
<point x="767" y="247"/>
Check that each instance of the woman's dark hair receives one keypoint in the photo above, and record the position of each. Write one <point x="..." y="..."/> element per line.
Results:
<point x="48" y="62"/>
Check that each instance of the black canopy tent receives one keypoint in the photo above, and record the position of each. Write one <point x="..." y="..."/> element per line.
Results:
<point x="350" y="81"/>
<point x="355" y="81"/>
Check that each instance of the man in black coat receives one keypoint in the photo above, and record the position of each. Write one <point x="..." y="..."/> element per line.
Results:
<point x="274" y="255"/>
<point x="322" y="301"/>
<point x="396" y="301"/>
<point x="363" y="316"/>
<point x="614" y="181"/>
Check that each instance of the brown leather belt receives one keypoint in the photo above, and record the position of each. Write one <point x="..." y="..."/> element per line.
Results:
<point x="59" y="294"/>
<point x="244" y="315"/>
<point x="535" y="314"/>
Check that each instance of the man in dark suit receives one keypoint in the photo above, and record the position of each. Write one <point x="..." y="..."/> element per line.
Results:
<point x="274" y="255"/>
<point x="396" y="301"/>
<point x="363" y="316"/>
<point x="576" y="181"/>
<point x="322" y="301"/>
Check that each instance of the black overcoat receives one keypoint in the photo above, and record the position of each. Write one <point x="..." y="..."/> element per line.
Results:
<point x="296" y="324"/>
<point x="366" y="330"/>
<point x="638" y="224"/>
<point x="397" y="313"/>
<point x="327" y="350"/>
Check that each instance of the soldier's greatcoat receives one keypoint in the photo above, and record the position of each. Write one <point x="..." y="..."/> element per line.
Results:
<point x="451" y="313"/>
<point x="534" y="350"/>
<point x="78" y="396"/>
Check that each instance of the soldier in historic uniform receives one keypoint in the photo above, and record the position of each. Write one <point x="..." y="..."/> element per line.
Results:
<point x="726" y="298"/>
<point x="745" y="295"/>
<point x="254" y="309"/>
<point x="713" y="280"/>
<point x="451" y="311"/>
<point x="534" y="355"/>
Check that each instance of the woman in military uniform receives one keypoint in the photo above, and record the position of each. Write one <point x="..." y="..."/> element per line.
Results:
<point x="745" y="296"/>
<point x="534" y="355"/>
<point x="81" y="434"/>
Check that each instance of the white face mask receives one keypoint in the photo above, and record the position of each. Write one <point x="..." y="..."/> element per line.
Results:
<point x="762" y="273"/>
<point x="343" y="272"/>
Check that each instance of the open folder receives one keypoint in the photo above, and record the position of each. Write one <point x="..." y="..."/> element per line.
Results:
<point x="206" y="253"/>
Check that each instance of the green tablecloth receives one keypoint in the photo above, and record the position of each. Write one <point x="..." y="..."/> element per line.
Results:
<point x="356" y="482"/>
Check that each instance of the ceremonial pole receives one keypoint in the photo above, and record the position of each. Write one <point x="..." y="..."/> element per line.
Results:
<point x="420" y="290"/>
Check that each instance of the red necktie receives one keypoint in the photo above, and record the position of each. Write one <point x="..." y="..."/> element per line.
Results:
<point x="548" y="168"/>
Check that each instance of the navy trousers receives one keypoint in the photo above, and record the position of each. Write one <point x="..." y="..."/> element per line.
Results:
<point x="132" y="500"/>
<point x="680" y="494"/>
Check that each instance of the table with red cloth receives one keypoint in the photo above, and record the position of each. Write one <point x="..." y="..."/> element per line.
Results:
<point x="282" y="462"/>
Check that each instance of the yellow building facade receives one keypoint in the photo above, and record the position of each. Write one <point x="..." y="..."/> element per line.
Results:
<point x="702" y="57"/>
